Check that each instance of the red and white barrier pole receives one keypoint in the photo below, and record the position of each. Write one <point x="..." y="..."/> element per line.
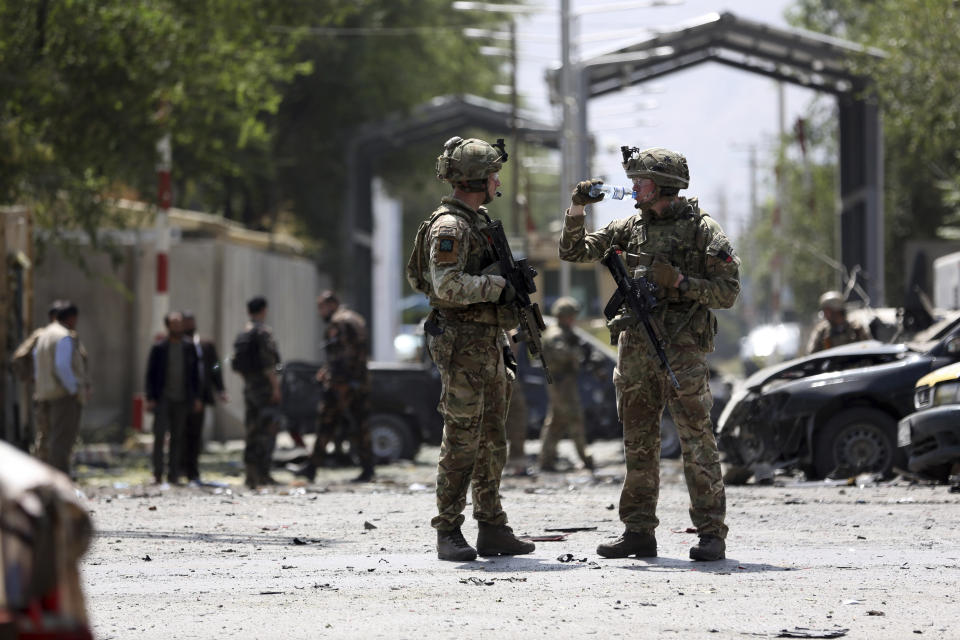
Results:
<point x="161" y="297"/>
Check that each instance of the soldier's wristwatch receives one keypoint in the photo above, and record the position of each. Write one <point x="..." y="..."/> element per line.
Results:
<point x="684" y="285"/>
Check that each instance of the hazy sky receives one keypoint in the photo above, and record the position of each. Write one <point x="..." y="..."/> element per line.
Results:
<point x="711" y="113"/>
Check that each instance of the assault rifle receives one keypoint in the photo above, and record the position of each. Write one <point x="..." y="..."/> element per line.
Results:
<point x="520" y="275"/>
<point x="637" y="294"/>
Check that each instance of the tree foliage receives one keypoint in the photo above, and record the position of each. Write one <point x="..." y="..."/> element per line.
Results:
<point x="90" y="87"/>
<point x="805" y="240"/>
<point x="916" y="85"/>
<point x="261" y="98"/>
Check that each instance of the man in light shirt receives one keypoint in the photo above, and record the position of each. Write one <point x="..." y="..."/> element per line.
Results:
<point x="61" y="388"/>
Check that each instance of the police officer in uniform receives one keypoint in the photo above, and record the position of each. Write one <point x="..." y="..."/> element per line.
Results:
<point x="465" y="335"/>
<point x="565" y="353"/>
<point x="834" y="329"/>
<point x="673" y="243"/>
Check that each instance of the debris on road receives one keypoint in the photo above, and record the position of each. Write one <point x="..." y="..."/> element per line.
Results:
<point x="368" y="525"/>
<point x="570" y="529"/>
<point x="569" y="557"/>
<point x="803" y="632"/>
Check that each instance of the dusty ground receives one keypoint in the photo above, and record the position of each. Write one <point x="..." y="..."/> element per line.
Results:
<point x="358" y="561"/>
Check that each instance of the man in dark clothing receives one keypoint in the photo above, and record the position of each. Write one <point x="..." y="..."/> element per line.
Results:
<point x="211" y="387"/>
<point x="173" y="392"/>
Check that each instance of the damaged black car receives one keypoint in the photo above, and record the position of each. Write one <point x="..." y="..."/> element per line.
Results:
<point x="833" y="413"/>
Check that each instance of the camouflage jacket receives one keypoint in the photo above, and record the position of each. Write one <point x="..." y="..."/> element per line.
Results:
<point x="258" y="382"/>
<point x="346" y="346"/>
<point x="563" y="352"/>
<point x="447" y="264"/>
<point x="683" y="236"/>
<point x="825" y="335"/>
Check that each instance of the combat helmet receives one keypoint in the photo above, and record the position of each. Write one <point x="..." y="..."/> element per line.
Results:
<point x="468" y="162"/>
<point x="666" y="168"/>
<point x="565" y="306"/>
<point x="832" y="300"/>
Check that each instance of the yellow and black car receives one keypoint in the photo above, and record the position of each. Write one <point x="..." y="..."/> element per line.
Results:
<point x="931" y="435"/>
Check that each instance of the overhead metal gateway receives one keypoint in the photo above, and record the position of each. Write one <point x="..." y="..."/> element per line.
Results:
<point x="433" y="121"/>
<point x="801" y="57"/>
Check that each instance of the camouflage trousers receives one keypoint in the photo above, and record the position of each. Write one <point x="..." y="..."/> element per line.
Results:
<point x="261" y="423"/>
<point x="643" y="389"/>
<point x="564" y="419"/>
<point x="344" y="413"/>
<point x="517" y="422"/>
<point x="473" y="401"/>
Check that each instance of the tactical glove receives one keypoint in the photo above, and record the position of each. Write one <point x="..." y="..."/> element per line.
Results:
<point x="581" y="195"/>
<point x="665" y="274"/>
<point x="508" y="294"/>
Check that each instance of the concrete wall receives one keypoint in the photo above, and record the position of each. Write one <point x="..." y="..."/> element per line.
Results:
<point x="107" y="323"/>
<point x="211" y="277"/>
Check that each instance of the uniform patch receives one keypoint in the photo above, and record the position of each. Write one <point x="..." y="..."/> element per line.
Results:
<point x="446" y="250"/>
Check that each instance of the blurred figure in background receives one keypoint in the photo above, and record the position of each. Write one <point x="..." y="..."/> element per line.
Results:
<point x="256" y="357"/>
<point x="62" y="387"/>
<point x="173" y="393"/>
<point x="834" y="329"/>
<point x="563" y="351"/>
<point x="211" y="387"/>
<point x="516" y="424"/>
<point x="346" y="385"/>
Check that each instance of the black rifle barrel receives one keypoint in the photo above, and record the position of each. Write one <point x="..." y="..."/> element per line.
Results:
<point x="520" y="275"/>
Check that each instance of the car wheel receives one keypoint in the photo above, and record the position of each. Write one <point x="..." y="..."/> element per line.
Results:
<point x="391" y="438"/>
<point x="857" y="441"/>
<point x="669" y="439"/>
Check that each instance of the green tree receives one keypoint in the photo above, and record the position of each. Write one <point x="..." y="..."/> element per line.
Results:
<point x="916" y="85"/>
<point x="372" y="59"/>
<point x="805" y="241"/>
<point x="89" y="87"/>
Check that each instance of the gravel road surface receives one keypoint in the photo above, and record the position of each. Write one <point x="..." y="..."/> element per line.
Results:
<point x="337" y="560"/>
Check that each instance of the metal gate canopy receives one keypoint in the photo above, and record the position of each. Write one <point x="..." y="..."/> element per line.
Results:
<point x="797" y="56"/>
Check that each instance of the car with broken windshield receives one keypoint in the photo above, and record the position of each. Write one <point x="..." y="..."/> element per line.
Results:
<point x="835" y="412"/>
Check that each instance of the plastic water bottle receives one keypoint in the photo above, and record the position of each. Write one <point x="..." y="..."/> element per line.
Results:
<point x="610" y="191"/>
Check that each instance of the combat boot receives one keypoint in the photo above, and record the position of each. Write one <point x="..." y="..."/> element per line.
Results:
<point x="631" y="543"/>
<point x="498" y="540"/>
<point x="709" y="548"/>
<point x="252" y="479"/>
<point x="451" y="545"/>
<point x="307" y="471"/>
<point x="365" y="476"/>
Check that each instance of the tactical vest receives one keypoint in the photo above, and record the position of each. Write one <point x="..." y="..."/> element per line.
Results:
<point x="677" y="239"/>
<point x="418" y="266"/>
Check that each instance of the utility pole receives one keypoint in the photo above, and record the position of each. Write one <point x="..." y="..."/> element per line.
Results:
<point x="567" y="143"/>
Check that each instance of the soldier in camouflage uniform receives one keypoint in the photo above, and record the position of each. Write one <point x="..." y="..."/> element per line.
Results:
<point x="451" y="263"/>
<point x="565" y="353"/>
<point x="674" y="244"/>
<point x="261" y="397"/>
<point x="516" y="425"/>
<point x="346" y="386"/>
<point x="834" y="329"/>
